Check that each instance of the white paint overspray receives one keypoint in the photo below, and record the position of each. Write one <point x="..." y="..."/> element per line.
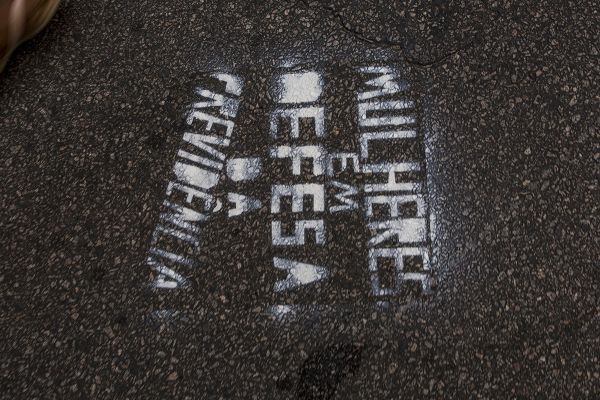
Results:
<point x="280" y="311"/>
<point x="233" y="83"/>
<point x="298" y="274"/>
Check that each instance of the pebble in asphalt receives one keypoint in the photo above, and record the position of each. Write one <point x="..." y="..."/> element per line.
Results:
<point x="93" y="114"/>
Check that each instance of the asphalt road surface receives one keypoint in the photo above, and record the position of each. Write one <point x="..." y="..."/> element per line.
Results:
<point x="302" y="200"/>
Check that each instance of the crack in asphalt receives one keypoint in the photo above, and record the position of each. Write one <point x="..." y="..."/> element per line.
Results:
<point x="346" y="26"/>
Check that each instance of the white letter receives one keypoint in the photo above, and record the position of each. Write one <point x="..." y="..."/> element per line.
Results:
<point x="385" y="82"/>
<point x="208" y="200"/>
<point x="297" y="192"/>
<point x="210" y="121"/>
<point x="348" y="204"/>
<point x="394" y="202"/>
<point x="195" y="176"/>
<point x="299" y="233"/>
<point x="200" y="160"/>
<point x="409" y="230"/>
<point x="390" y="135"/>
<point x="228" y="106"/>
<point x="183" y="217"/>
<point x="364" y="108"/>
<point x="344" y="158"/>
<point x="172" y="257"/>
<point x="233" y="83"/>
<point x="167" y="278"/>
<point x="391" y="170"/>
<point x="298" y="153"/>
<point x="204" y="141"/>
<point x="299" y="274"/>
<point x="294" y="115"/>
<point x="398" y="255"/>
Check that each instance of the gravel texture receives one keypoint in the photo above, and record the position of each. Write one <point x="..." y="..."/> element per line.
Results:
<point x="92" y="113"/>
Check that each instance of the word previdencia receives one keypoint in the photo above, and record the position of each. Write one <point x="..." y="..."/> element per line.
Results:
<point x="335" y="191"/>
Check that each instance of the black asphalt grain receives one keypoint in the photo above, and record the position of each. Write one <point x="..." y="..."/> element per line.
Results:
<point x="92" y="115"/>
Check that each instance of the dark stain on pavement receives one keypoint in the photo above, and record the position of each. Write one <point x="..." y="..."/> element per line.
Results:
<point x="324" y="370"/>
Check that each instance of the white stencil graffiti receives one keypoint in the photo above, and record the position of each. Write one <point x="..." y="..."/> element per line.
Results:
<point x="202" y="161"/>
<point x="204" y="142"/>
<point x="176" y="233"/>
<point x="298" y="274"/>
<point x="233" y="83"/>
<point x="183" y="217"/>
<point x="365" y="179"/>
<point x="229" y="106"/>
<point x="408" y="232"/>
<point x="197" y="173"/>
<point x="166" y="277"/>
<point x="211" y="120"/>
<point x="172" y="257"/>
